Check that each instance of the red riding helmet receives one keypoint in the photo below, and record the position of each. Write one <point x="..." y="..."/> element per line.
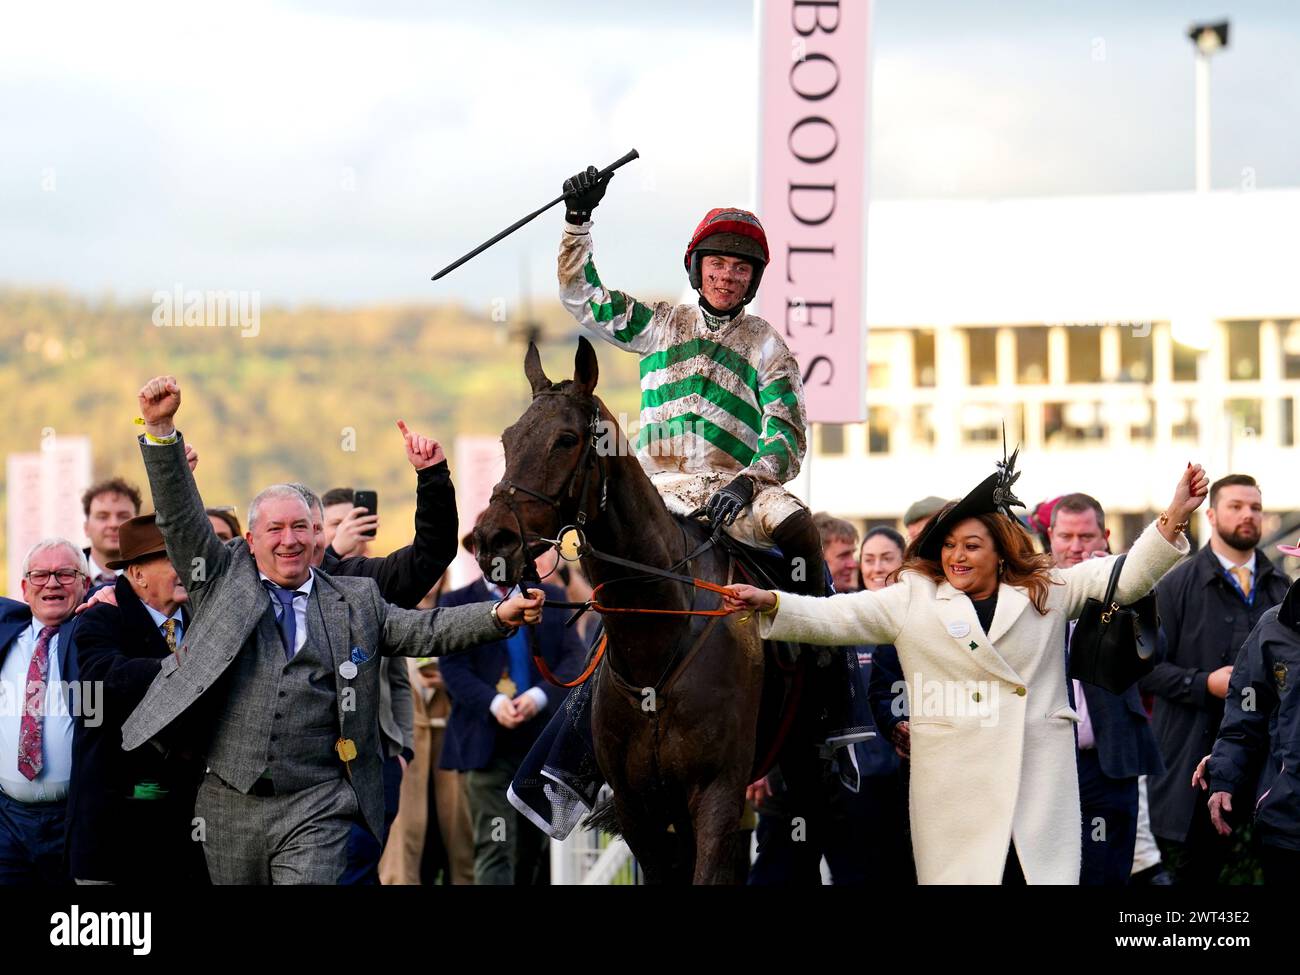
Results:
<point x="731" y="232"/>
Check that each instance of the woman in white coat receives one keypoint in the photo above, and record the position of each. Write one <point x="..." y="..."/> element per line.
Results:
<point x="980" y="624"/>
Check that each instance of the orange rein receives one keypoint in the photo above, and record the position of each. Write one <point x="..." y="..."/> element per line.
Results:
<point x="697" y="583"/>
<point x="604" y="640"/>
<point x="581" y="678"/>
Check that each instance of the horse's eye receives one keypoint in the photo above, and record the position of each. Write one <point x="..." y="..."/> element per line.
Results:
<point x="566" y="440"/>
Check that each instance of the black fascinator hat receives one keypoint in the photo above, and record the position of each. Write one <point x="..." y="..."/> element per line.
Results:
<point x="993" y="494"/>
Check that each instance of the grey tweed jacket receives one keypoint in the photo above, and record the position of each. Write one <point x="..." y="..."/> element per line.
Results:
<point x="227" y="601"/>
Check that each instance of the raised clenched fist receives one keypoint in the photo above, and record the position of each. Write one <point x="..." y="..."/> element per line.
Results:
<point x="160" y="398"/>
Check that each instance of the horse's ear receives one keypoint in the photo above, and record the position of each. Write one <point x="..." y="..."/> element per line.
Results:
<point x="586" y="370"/>
<point x="533" y="370"/>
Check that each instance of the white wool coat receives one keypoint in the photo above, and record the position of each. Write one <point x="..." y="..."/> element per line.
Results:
<point x="993" y="744"/>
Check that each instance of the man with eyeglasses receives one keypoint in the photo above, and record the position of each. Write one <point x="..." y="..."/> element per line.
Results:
<point x="37" y="662"/>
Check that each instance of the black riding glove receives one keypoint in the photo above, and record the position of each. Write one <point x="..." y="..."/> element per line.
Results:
<point x="727" y="503"/>
<point x="583" y="192"/>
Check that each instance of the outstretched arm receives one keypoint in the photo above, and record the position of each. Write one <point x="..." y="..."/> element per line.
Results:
<point x="841" y="620"/>
<point x="448" y="629"/>
<point x="1156" y="551"/>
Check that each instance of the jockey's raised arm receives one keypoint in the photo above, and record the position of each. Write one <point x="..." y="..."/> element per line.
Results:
<point x="614" y="316"/>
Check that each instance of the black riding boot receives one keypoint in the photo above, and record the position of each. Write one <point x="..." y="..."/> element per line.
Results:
<point x="833" y="679"/>
<point x="801" y="548"/>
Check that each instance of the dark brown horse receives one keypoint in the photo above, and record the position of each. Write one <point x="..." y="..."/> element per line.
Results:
<point x="676" y="704"/>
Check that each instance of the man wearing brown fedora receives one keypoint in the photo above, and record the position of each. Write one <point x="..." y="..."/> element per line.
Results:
<point x="129" y="813"/>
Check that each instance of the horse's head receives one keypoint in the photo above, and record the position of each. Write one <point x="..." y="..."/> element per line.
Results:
<point x="555" y="474"/>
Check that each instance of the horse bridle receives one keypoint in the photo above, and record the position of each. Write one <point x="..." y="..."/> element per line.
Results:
<point x="566" y="492"/>
<point x="556" y="502"/>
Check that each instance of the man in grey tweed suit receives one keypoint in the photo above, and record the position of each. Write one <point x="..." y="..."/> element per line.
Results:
<point x="277" y="681"/>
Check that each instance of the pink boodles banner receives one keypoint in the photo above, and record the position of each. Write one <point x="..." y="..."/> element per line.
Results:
<point x="480" y="462"/>
<point x="812" y="193"/>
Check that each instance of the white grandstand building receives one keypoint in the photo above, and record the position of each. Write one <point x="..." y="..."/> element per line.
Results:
<point x="1117" y="337"/>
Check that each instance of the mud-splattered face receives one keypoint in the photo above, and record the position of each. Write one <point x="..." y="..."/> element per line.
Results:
<point x="724" y="280"/>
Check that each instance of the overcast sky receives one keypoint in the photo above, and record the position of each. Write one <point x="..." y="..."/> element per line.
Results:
<point x="341" y="151"/>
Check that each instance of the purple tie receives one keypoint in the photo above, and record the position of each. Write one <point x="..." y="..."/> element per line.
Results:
<point x="30" y="760"/>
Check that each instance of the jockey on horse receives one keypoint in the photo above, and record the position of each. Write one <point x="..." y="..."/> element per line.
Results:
<point x="722" y="409"/>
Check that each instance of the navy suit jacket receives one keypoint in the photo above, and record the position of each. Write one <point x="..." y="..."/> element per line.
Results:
<point x="876" y="756"/>
<point x="1121" y="730"/>
<point x="1126" y="745"/>
<point x="473" y="735"/>
<point x="122" y="647"/>
<point x="15" y="616"/>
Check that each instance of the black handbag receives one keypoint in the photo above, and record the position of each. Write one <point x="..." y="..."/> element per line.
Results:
<point x="1113" y="646"/>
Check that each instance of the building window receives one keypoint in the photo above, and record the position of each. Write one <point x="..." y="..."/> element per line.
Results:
<point x="1129" y="528"/>
<point x="877" y="375"/>
<point x="1141" y="420"/>
<point x="1077" y="423"/>
<point x="831" y="439"/>
<point x="981" y="423"/>
<point x="1243" y="350"/>
<point x="1031" y="355"/>
<point x="1083" y="357"/>
<point x="982" y="356"/>
<point x="1286" y="422"/>
<point x="1185" y="426"/>
<point x="1246" y="417"/>
<point x="1185" y="359"/>
<point x="923" y="373"/>
<point x="1289" y="333"/>
<point x="880" y="420"/>
<point x="923" y="426"/>
<point x="1135" y="354"/>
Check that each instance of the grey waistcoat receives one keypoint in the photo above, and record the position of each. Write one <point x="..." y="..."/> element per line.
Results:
<point x="280" y="718"/>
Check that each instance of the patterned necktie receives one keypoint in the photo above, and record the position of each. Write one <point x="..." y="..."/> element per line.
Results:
<point x="169" y="634"/>
<point x="288" y="619"/>
<point x="30" y="760"/>
<point x="1243" y="579"/>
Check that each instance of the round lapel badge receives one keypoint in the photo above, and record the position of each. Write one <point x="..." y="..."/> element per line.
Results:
<point x="958" y="630"/>
<point x="347" y="670"/>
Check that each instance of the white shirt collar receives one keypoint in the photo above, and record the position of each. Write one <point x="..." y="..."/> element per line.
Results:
<point x="96" y="570"/>
<point x="305" y="588"/>
<point x="37" y="626"/>
<point x="1229" y="565"/>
